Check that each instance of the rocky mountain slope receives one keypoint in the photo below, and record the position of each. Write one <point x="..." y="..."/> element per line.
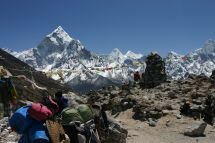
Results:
<point x="24" y="88"/>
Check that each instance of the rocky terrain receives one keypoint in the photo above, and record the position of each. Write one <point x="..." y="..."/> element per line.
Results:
<point x="153" y="115"/>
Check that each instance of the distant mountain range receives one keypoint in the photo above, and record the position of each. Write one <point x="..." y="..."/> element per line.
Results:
<point x="66" y="59"/>
<point x="200" y="61"/>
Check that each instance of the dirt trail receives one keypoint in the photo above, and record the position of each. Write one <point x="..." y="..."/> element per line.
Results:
<point x="141" y="132"/>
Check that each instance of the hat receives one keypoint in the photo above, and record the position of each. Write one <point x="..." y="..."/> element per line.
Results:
<point x="4" y="72"/>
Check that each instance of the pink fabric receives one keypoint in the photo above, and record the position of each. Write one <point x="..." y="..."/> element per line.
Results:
<point x="54" y="105"/>
<point x="39" y="112"/>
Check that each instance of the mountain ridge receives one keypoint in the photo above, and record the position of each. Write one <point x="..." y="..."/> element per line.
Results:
<point x="63" y="56"/>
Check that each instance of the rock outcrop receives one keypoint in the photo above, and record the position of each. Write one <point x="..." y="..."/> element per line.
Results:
<point x="155" y="71"/>
<point x="196" y="130"/>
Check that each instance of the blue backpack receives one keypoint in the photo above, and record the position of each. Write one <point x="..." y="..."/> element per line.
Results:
<point x="65" y="101"/>
<point x="20" y="121"/>
<point x="37" y="133"/>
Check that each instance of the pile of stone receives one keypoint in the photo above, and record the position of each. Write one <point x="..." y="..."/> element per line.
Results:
<point x="147" y="112"/>
<point x="209" y="111"/>
<point x="155" y="71"/>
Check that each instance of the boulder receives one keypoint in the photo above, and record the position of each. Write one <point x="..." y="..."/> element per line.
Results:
<point x="115" y="133"/>
<point x="196" y="130"/>
<point x="152" y="122"/>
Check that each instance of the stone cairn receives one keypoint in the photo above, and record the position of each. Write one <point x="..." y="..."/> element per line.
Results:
<point x="209" y="111"/>
<point x="155" y="71"/>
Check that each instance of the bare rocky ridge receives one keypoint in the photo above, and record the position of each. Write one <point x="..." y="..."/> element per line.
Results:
<point x="24" y="88"/>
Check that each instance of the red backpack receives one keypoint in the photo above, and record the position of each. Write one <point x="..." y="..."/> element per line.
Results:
<point x="39" y="112"/>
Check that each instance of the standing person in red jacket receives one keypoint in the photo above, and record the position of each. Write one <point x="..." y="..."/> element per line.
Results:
<point x="136" y="76"/>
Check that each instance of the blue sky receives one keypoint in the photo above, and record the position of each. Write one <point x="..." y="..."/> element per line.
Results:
<point x="101" y="25"/>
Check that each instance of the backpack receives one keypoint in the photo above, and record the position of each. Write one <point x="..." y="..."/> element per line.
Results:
<point x="39" y="112"/>
<point x="85" y="112"/>
<point x="81" y="113"/>
<point x="81" y="123"/>
<point x="70" y="114"/>
<point x="37" y="133"/>
<point x="62" y="102"/>
<point x="51" y="104"/>
<point x="81" y="133"/>
<point x="20" y="121"/>
<point x="56" y="132"/>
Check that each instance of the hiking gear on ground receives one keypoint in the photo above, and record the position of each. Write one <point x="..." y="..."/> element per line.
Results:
<point x="62" y="101"/>
<point x="65" y="102"/>
<point x="82" y="133"/>
<point x="20" y="121"/>
<point x="39" y="112"/>
<point x="51" y="104"/>
<point x="72" y="131"/>
<point x="83" y="114"/>
<point x="56" y="132"/>
<point x="37" y="133"/>
<point x="70" y="114"/>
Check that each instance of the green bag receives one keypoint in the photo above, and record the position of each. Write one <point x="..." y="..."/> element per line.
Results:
<point x="70" y="114"/>
<point x="83" y="114"/>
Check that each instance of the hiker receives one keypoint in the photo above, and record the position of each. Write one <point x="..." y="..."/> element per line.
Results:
<point x="62" y="102"/>
<point x="141" y="82"/>
<point x="136" y="76"/>
<point x="8" y="93"/>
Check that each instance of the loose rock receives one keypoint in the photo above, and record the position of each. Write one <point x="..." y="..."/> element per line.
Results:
<point x="196" y="130"/>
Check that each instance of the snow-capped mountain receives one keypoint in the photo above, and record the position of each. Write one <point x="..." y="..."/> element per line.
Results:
<point x="66" y="59"/>
<point x="132" y="55"/>
<point x="200" y="61"/>
<point x="56" y="50"/>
